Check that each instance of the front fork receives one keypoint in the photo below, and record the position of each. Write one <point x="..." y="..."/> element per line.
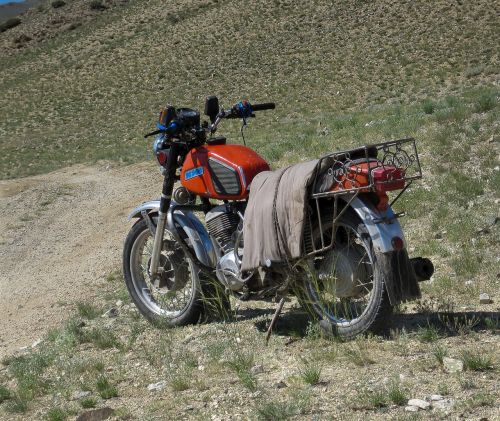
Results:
<point x="166" y="198"/>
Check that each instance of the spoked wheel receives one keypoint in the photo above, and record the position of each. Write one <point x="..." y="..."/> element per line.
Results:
<point x="344" y="286"/>
<point x="175" y="297"/>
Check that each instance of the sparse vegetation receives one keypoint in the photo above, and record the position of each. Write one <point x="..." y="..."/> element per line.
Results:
<point x="87" y="310"/>
<point x="386" y="84"/>
<point x="56" y="414"/>
<point x="4" y="393"/>
<point x="428" y="333"/>
<point x="97" y="5"/>
<point x="105" y="388"/>
<point x="9" y="23"/>
<point x="310" y="373"/>
<point x="477" y="362"/>
<point x="56" y="4"/>
<point x="89" y="402"/>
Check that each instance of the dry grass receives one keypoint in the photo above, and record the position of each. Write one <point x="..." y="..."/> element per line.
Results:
<point x="342" y="75"/>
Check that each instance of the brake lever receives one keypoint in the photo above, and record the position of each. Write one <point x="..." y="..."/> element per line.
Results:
<point x="154" y="133"/>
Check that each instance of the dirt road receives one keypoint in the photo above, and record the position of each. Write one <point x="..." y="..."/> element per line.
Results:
<point x="60" y="235"/>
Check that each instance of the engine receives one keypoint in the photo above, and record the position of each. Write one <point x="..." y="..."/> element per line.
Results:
<point x="223" y="223"/>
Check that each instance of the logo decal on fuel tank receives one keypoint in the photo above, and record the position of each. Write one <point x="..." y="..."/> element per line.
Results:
<point x="188" y="175"/>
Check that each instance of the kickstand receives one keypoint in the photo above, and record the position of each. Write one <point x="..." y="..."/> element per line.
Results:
<point x="275" y="319"/>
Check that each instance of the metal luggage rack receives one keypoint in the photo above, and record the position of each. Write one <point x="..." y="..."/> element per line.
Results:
<point x="342" y="169"/>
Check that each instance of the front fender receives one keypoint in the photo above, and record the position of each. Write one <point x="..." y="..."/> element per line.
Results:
<point x="380" y="232"/>
<point x="187" y="220"/>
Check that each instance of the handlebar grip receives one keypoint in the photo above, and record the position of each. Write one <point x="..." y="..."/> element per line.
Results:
<point x="264" y="106"/>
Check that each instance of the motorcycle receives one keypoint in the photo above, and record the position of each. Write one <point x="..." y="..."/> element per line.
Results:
<point x="354" y="266"/>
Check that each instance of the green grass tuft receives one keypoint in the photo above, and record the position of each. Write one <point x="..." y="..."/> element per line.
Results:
<point x="477" y="362"/>
<point x="105" y="388"/>
<point x="56" y="414"/>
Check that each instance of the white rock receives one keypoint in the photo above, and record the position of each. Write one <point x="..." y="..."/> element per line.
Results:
<point x="484" y="298"/>
<point x="411" y="408"/>
<point x="436" y="398"/>
<point x="451" y="365"/>
<point x="157" y="386"/>
<point x="112" y="312"/>
<point x="36" y="343"/>
<point x="419" y="403"/>
<point x="119" y="303"/>
<point x="81" y="394"/>
<point x="444" y="405"/>
<point x="257" y="369"/>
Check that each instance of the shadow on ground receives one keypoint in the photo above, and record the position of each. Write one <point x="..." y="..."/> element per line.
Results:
<point x="295" y="324"/>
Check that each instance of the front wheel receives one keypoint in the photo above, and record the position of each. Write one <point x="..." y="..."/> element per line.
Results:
<point x="174" y="298"/>
<point x="344" y="287"/>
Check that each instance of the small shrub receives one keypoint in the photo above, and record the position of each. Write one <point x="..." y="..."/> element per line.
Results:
<point x="97" y="5"/>
<point x="429" y="107"/>
<point x="476" y="362"/>
<point x="359" y="356"/>
<point x="87" y="310"/>
<point x="439" y="353"/>
<point x="4" y="393"/>
<point x="102" y="338"/>
<point x="58" y="3"/>
<point x="372" y="398"/>
<point x="396" y="394"/>
<point x="274" y="411"/>
<point x="241" y="364"/>
<point x="89" y="402"/>
<point x="479" y="400"/>
<point x="56" y="414"/>
<point x="10" y="23"/>
<point x="485" y="102"/>
<point x="428" y="334"/>
<point x="491" y="324"/>
<point x="311" y="372"/>
<point x="179" y="382"/>
<point x="105" y="388"/>
<point x="17" y="404"/>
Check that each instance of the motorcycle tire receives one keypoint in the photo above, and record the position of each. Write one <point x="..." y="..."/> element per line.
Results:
<point x="147" y="297"/>
<point x="375" y="317"/>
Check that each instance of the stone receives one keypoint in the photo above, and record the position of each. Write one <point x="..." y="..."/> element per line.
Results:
<point x="112" y="312"/>
<point x="484" y="298"/>
<point x="419" y="403"/>
<point x="97" y="414"/>
<point x="451" y="365"/>
<point x="36" y="343"/>
<point x="436" y="398"/>
<point x="155" y="387"/>
<point x="444" y="404"/>
<point x="411" y="408"/>
<point x="281" y="385"/>
<point x="119" y="303"/>
<point x="81" y="395"/>
<point x="257" y="369"/>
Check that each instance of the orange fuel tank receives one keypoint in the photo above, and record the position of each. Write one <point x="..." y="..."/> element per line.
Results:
<point x="221" y="172"/>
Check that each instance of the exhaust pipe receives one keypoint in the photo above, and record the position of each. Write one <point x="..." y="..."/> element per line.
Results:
<point x="423" y="268"/>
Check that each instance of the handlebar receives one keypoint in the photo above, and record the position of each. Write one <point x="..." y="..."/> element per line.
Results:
<point x="264" y="106"/>
<point x="242" y="109"/>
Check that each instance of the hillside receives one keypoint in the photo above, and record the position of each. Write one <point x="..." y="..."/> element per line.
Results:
<point x="82" y="83"/>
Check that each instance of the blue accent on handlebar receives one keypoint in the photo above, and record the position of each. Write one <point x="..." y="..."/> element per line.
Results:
<point x="172" y="128"/>
<point x="245" y="109"/>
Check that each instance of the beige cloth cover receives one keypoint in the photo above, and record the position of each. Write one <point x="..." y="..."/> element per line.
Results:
<point x="265" y="240"/>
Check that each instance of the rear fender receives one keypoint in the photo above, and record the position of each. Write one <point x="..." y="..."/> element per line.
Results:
<point x="393" y="266"/>
<point x="382" y="226"/>
<point x="190" y="224"/>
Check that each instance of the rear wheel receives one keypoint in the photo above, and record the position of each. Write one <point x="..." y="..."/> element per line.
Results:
<point x="174" y="298"/>
<point x="344" y="287"/>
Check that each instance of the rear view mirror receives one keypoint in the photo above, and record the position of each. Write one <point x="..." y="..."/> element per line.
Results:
<point x="212" y="107"/>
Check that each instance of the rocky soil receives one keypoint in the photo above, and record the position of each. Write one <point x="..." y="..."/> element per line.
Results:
<point x="61" y="234"/>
